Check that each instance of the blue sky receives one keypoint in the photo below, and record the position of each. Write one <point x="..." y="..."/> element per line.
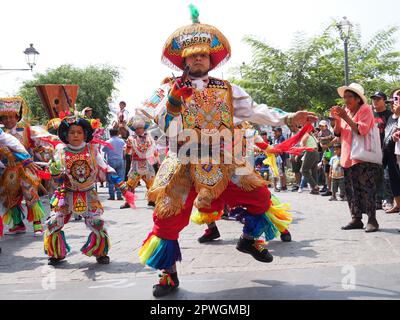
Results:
<point x="130" y="34"/>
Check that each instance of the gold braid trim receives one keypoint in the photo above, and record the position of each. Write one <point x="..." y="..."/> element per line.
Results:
<point x="169" y="198"/>
<point x="251" y="182"/>
<point x="208" y="193"/>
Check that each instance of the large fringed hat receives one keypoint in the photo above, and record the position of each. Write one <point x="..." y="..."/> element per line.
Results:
<point x="196" y="38"/>
<point x="13" y="106"/>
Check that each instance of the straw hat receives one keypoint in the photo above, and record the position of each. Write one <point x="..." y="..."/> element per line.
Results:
<point x="354" y="87"/>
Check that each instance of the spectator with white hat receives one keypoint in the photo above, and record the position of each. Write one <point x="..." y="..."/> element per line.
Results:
<point x="356" y="118"/>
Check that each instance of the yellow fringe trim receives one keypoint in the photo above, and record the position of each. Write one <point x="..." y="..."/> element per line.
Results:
<point x="148" y="248"/>
<point x="200" y="218"/>
<point x="280" y="216"/>
<point x="196" y="49"/>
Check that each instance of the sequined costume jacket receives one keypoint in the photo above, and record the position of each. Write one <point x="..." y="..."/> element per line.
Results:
<point x="210" y="112"/>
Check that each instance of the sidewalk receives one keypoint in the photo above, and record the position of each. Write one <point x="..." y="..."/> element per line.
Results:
<point x="318" y="245"/>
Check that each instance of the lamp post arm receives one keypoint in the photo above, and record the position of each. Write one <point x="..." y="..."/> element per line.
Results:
<point x="15" y="69"/>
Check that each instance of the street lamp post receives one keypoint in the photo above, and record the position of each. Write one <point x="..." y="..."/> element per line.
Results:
<point x="344" y="27"/>
<point x="31" y="55"/>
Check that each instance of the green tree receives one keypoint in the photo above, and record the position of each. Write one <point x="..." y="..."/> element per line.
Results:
<point x="96" y="85"/>
<point x="309" y="72"/>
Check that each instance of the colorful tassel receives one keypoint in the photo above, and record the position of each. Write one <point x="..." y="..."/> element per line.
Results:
<point x="55" y="245"/>
<point x="130" y="198"/>
<point x="200" y="218"/>
<point x="121" y="185"/>
<point x="58" y="198"/>
<point x="98" y="244"/>
<point x="14" y="215"/>
<point x="280" y="218"/>
<point x="36" y="212"/>
<point x="159" y="253"/>
<point x="272" y="223"/>
<point x="256" y="226"/>
<point x="166" y="280"/>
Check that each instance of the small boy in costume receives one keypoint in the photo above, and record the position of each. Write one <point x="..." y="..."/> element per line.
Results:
<point x="143" y="156"/>
<point x="76" y="167"/>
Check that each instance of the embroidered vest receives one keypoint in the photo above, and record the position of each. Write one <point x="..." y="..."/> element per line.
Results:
<point x="211" y="108"/>
<point x="80" y="169"/>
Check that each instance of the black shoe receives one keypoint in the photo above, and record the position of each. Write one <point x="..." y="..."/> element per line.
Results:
<point x="111" y="199"/>
<point x="120" y="198"/>
<point x="168" y="283"/>
<point x="151" y="204"/>
<point x="372" y="225"/>
<point x="326" y="194"/>
<point x="295" y="188"/>
<point x="258" y="252"/>
<point x="284" y="188"/>
<point x="54" y="261"/>
<point x="324" y="189"/>
<point x="286" y="236"/>
<point x="277" y="190"/>
<point x="125" y="206"/>
<point x="209" y="235"/>
<point x="103" y="260"/>
<point x="353" y="225"/>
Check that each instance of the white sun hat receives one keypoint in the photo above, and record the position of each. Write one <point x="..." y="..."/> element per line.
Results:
<point x="354" y="87"/>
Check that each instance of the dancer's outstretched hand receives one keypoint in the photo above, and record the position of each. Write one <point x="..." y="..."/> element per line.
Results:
<point x="303" y="117"/>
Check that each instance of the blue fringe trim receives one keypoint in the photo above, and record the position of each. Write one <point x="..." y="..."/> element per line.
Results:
<point x="167" y="253"/>
<point x="256" y="226"/>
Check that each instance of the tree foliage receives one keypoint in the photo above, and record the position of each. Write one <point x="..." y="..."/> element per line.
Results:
<point x="309" y="72"/>
<point x="96" y="85"/>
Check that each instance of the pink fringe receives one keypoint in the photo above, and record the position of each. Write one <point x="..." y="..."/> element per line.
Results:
<point x="130" y="198"/>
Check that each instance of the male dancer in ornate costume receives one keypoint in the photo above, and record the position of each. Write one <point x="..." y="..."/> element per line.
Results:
<point x="202" y="108"/>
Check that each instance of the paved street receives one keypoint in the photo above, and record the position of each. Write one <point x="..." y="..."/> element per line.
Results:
<point x="322" y="262"/>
